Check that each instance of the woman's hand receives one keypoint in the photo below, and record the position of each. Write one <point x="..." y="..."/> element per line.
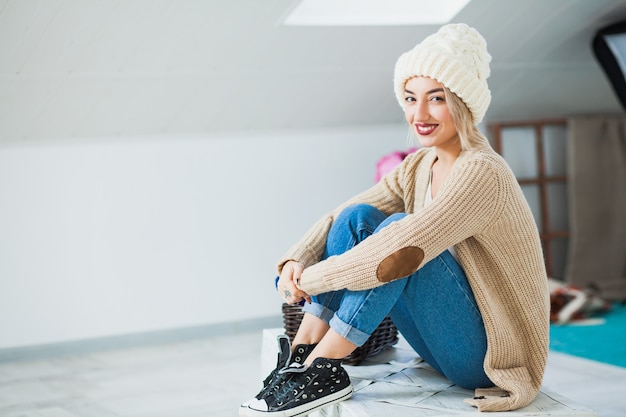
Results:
<point x="288" y="283"/>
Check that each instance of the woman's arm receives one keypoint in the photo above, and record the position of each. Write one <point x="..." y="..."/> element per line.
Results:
<point x="471" y="198"/>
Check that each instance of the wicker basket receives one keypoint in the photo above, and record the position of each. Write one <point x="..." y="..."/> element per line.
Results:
<point x="385" y="335"/>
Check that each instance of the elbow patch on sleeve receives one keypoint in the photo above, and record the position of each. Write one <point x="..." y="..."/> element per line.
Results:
<point x="400" y="264"/>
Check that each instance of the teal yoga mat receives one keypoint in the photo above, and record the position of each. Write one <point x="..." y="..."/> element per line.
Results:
<point x="604" y="342"/>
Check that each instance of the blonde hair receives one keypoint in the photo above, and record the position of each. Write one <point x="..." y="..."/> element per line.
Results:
<point x="471" y="138"/>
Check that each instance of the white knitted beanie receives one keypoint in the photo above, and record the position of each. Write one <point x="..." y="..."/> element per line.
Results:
<point x="457" y="57"/>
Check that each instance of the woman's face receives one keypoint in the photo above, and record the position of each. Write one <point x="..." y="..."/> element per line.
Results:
<point x="426" y="110"/>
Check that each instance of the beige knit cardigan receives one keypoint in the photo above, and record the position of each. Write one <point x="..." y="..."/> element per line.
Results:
<point x="480" y="209"/>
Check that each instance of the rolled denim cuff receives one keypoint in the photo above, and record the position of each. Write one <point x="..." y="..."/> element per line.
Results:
<point x="352" y="334"/>
<point x="318" y="310"/>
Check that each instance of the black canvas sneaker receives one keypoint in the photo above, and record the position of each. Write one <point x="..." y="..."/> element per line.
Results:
<point x="284" y="358"/>
<point x="302" y="390"/>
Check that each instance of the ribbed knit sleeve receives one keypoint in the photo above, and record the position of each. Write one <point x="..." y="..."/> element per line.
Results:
<point x="468" y="201"/>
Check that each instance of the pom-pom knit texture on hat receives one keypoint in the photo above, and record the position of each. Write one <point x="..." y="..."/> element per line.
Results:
<point x="457" y="57"/>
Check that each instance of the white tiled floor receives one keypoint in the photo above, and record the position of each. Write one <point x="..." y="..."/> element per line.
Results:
<point x="596" y="385"/>
<point x="210" y="377"/>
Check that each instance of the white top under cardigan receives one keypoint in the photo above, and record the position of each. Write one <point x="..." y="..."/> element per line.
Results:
<point x="429" y="199"/>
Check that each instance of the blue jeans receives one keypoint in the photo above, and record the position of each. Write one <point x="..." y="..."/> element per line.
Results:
<point x="434" y="308"/>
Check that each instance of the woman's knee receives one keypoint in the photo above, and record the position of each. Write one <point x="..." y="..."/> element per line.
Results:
<point x="393" y="218"/>
<point x="355" y="212"/>
<point x="357" y="221"/>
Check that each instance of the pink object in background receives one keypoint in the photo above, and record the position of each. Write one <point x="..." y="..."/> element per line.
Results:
<point x="388" y="162"/>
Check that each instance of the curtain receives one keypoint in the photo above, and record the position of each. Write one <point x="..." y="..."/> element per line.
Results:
<point x="597" y="205"/>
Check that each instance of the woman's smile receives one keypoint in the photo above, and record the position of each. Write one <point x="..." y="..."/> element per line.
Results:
<point x="425" y="128"/>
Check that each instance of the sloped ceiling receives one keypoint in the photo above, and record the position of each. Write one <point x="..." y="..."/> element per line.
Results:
<point x="79" y="69"/>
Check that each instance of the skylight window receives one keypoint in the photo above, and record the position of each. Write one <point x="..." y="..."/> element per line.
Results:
<point x="617" y="44"/>
<point x="373" y="12"/>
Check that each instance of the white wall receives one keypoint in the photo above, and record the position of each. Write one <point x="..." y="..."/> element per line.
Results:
<point x="110" y="237"/>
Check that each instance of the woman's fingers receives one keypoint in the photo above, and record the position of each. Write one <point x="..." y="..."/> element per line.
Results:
<point x="287" y="283"/>
<point x="288" y="291"/>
